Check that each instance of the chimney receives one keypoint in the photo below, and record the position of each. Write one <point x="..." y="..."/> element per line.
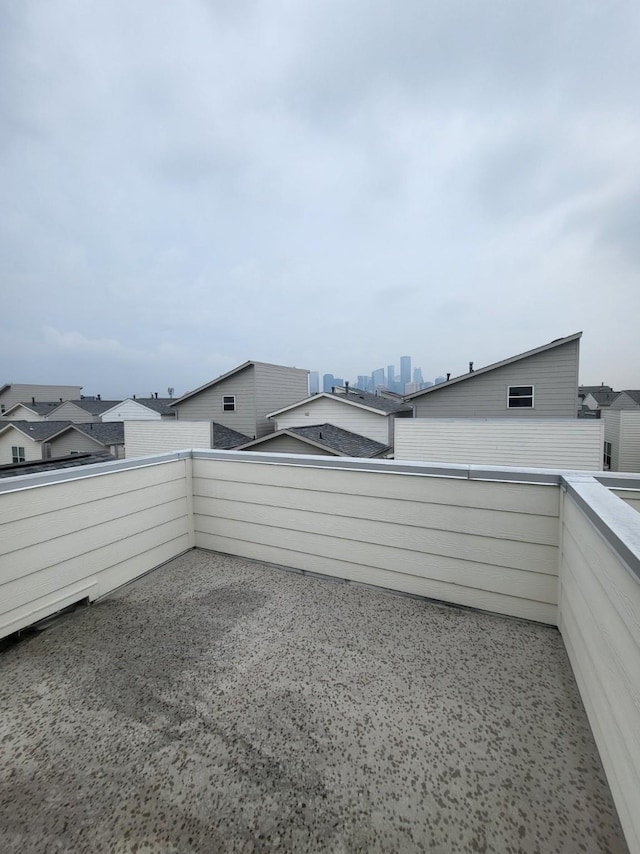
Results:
<point x="448" y="377"/>
<point x="470" y="367"/>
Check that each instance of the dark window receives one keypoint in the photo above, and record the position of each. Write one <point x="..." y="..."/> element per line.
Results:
<point x="229" y="403"/>
<point x="17" y="454"/>
<point x="607" y="456"/>
<point x="520" y="396"/>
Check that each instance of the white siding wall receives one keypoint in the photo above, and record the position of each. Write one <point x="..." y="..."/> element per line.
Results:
<point x="487" y="545"/>
<point x="622" y="429"/>
<point x="544" y="443"/>
<point x="129" y="410"/>
<point x="599" y="617"/>
<point x="61" y="542"/>
<point x="324" y="410"/>
<point x="32" y="450"/>
<point x="554" y="373"/>
<point x="142" y="438"/>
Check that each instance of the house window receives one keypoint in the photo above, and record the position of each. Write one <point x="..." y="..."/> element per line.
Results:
<point x="607" y="456"/>
<point x="17" y="454"/>
<point x="229" y="403"/>
<point x="520" y="396"/>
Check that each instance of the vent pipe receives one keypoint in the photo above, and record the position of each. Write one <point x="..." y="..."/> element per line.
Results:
<point x="33" y="400"/>
<point x="470" y="367"/>
<point x="346" y="387"/>
<point x="448" y="377"/>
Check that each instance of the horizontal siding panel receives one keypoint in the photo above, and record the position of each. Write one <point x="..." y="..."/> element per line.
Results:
<point x="166" y="543"/>
<point x="84" y="542"/>
<point x="489" y="550"/>
<point x="40" y="499"/>
<point x="58" y="523"/>
<point x="19" y="615"/>
<point x="621" y="775"/>
<point x="414" y="584"/>
<point x="523" y="498"/>
<point x="470" y="520"/>
<point x="622" y="589"/>
<point x="144" y="438"/>
<point x="391" y="558"/>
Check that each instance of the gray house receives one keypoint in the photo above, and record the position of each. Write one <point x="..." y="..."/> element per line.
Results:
<point x="11" y="393"/>
<point x="242" y="398"/>
<point x="540" y="383"/>
<point x="627" y="399"/>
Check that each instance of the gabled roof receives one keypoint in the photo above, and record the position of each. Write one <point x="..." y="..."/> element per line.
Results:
<point x="39" y="407"/>
<point x="157" y="404"/>
<point x="634" y="394"/>
<point x="591" y="389"/>
<point x="352" y="397"/>
<point x="603" y="398"/>
<point x="225" y="438"/>
<point x="328" y="437"/>
<point x="111" y="433"/>
<point x="93" y="407"/>
<point x="558" y="342"/>
<point x="242" y="367"/>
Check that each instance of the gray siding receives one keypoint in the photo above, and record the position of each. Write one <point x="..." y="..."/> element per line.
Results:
<point x="32" y="450"/>
<point x="129" y="410"/>
<point x="22" y="414"/>
<point x="623" y="401"/>
<point x="554" y="373"/>
<point x="288" y="445"/>
<point x="70" y="412"/>
<point x="23" y="392"/>
<point x="277" y="386"/>
<point x="74" y="440"/>
<point x="207" y="405"/>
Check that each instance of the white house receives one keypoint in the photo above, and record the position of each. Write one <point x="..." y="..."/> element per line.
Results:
<point x="140" y="409"/>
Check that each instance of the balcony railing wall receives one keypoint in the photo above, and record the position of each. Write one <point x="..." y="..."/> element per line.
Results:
<point x="557" y="548"/>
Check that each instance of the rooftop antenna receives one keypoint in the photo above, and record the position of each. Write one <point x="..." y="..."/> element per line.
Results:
<point x="170" y="391"/>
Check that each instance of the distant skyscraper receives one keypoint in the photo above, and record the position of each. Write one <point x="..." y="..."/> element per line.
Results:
<point x="364" y="382"/>
<point x="338" y="381"/>
<point x="391" y="378"/>
<point x="328" y="380"/>
<point x="314" y="382"/>
<point x="377" y="378"/>
<point x="417" y="375"/>
<point x="439" y="380"/>
<point x="405" y="372"/>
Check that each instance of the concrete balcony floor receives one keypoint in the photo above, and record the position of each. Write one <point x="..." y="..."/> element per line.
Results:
<point x="221" y="705"/>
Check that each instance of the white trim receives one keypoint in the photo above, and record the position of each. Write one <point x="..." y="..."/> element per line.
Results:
<point x="526" y="396"/>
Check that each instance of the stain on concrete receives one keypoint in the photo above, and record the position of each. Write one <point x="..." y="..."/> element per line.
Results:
<point x="219" y="705"/>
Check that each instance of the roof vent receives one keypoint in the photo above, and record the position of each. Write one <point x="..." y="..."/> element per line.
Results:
<point x="448" y="377"/>
<point x="33" y="400"/>
<point x="470" y="367"/>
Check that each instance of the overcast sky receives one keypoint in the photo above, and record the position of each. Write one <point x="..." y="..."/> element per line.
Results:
<point x="189" y="184"/>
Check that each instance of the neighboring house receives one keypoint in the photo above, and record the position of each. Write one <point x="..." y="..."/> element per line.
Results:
<point x="318" y="439"/>
<point x="540" y="383"/>
<point x="622" y="439"/>
<point x="627" y="399"/>
<point x="12" y="393"/>
<point x="34" y="411"/>
<point x="595" y="400"/>
<point x="558" y="443"/>
<point x="82" y="411"/>
<point x="140" y="409"/>
<point x="356" y="411"/>
<point x="158" y="437"/>
<point x="24" y="441"/>
<point x="241" y="398"/>
<point x="585" y="390"/>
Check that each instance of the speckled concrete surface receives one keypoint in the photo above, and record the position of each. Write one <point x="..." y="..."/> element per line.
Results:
<point x="218" y="705"/>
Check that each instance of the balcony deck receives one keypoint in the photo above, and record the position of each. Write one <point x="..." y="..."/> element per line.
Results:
<point x="221" y="705"/>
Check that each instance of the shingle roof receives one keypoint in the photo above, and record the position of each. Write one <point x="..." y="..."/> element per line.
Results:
<point x="604" y="398"/>
<point x="39" y="431"/>
<point x="558" y="342"/>
<point x="591" y="389"/>
<point x="634" y="394"/>
<point x="94" y="407"/>
<point x="108" y="433"/>
<point x="36" y="466"/>
<point x="340" y="442"/>
<point x="225" y="438"/>
<point x="158" y="404"/>
<point x="42" y="408"/>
